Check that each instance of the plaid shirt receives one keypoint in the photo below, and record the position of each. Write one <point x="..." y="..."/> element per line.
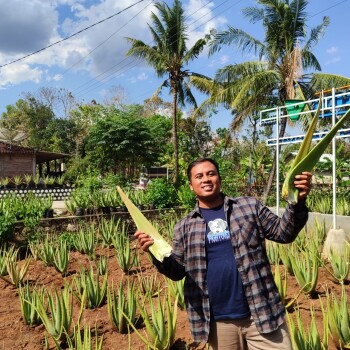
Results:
<point x="250" y="223"/>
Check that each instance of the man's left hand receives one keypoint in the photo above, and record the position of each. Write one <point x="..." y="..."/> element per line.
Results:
<point x="303" y="183"/>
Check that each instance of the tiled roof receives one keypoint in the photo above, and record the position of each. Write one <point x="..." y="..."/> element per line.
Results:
<point x="11" y="148"/>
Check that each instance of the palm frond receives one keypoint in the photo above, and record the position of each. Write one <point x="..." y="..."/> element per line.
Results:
<point x="239" y="38"/>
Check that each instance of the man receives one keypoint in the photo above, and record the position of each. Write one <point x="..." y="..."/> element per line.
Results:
<point x="231" y="298"/>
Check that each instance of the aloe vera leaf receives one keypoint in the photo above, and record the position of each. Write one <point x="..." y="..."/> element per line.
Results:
<point x="310" y="160"/>
<point x="288" y="186"/>
<point x="160" y="248"/>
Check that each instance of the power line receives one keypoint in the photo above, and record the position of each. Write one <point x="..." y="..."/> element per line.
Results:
<point x="328" y="8"/>
<point x="70" y="36"/>
<point x="97" y="84"/>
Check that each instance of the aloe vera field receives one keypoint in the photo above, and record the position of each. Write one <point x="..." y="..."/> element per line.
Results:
<point x="66" y="289"/>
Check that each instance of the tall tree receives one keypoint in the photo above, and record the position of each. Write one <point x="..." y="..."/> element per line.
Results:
<point x="285" y="53"/>
<point x="124" y="141"/>
<point x="169" y="56"/>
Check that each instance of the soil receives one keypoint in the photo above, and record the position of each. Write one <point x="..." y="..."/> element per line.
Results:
<point x="14" y="334"/>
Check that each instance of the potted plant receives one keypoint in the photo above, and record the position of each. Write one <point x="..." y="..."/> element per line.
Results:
<point x="28" y="180"/>
<point x="17" y="180"/>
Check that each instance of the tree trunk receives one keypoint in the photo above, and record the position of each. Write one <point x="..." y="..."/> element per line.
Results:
<point x="273" y="169"/>
<point x="175" y="138"/>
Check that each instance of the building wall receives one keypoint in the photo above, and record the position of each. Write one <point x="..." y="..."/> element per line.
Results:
<point x="16" y="164"/>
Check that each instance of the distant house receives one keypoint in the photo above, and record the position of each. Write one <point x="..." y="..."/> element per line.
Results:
<point x="17" y="160"/>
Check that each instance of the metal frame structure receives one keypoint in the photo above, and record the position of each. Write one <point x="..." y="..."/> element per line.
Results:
<point x="333" y="105"/>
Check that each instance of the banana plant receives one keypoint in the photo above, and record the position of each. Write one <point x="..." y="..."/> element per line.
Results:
<point x="122" y="306"/>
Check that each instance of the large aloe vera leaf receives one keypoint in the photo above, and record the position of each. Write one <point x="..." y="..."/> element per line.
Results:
<point x="160" y="248"/>
<point x="308" y="161"/>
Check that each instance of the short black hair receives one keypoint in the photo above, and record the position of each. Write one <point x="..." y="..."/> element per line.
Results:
<point x="201" y="160"/>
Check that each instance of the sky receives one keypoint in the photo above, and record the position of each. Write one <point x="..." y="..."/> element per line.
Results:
<point x="92" y="63"/>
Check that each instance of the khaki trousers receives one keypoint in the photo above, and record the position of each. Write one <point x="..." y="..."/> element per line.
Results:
<point x="242" y="334"/>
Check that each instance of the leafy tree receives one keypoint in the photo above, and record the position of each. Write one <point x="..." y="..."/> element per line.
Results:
<point x="169" y="56"/>
<point x="125" y="140"/>
<point x="62" y="134"/>
<point x="194" y="139"/>
<point x="285" y="53"/>
<point x="32" y="117"/>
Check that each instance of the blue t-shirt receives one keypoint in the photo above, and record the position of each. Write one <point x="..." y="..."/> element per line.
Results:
<point x="226" y="294"/>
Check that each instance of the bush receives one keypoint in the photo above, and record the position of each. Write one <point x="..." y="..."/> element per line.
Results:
<point x="187" y="198"/>
<point x="161" y="194"/>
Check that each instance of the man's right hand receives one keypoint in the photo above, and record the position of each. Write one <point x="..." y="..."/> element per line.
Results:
<point x="144" y="240"/>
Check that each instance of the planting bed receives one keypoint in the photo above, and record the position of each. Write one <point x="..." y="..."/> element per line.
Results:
<point x="14" y="334"/>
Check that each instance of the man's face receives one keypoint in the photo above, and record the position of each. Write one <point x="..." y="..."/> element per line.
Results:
<point x="205" y="181"/>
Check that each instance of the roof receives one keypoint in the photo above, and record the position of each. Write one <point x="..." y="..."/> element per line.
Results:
<point x="40" y="156"/>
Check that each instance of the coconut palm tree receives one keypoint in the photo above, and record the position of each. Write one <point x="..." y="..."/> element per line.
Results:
<point x="169" y="56"/>
<point x="284" y="56"/>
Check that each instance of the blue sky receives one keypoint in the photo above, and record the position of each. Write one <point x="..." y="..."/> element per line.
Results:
<point x="93" y="64"/>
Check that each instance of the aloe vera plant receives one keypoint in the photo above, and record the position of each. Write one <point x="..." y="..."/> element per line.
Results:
<point x="148" y="284"/>
<point x="61" y="257"/>
<point x="6" y="255"/>
<point x="126" y="257"/>
<point x="305" y="268"/>
<point x="160" y="248"/>
<point x="107" y="230"/>
<point x="176" y="290"/>
<point x="102" y="265"/>
<point x="46" y="251"/>
<point x="306" y="159"/>
<point x="340" y="263"/>
<point x="122" y="306"/>
<point x="16" y="272"/>
<point x="308" y="338"/>
<point x="77" y="341"/>
<point x="160" y="328"/>
<point x="85" y="241"/>
<point x="339" y="320"/>
<point x="89" y="290"/>
<point x="29" y="304"/>
<point x="57" y="316"/>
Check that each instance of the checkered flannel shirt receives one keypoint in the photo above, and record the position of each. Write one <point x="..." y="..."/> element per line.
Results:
<point x="250" y="223"/>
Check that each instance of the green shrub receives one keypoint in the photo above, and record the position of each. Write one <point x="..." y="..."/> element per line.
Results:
<point x="161" y="194"/>
<point x="187" y="198"/>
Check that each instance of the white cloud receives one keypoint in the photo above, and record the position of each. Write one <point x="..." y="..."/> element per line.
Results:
<point x="332" y="50"/>
<point x="19" y="73"/>
<point x="201" y="19"/>
<point x="142" y="76"/>
<point x="99" y="50"/>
